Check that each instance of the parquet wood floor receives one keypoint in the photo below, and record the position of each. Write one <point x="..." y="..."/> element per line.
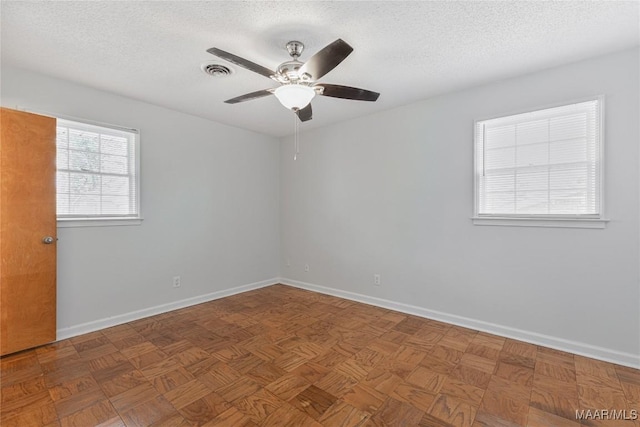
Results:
<point x="281" y="356"/>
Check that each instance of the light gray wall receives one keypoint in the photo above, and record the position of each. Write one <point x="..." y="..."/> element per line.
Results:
<point x="389" y="193"/>
<point x="209" y="199"/>
<point x="392" y="193"/>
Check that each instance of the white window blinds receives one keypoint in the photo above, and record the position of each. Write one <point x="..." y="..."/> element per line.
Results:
<point x="542" y="163"/>
<point x="96" y="172"/>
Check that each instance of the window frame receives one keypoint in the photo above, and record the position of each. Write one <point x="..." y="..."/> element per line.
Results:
<point x="107" y="220"/>
<point x="544" y="220"/>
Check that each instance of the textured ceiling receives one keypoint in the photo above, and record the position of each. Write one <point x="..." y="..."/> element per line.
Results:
<point x="407" y="51"/>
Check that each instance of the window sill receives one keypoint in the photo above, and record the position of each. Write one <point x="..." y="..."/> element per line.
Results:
<point x="97" y="222"/>
<point x="541" y="222"/>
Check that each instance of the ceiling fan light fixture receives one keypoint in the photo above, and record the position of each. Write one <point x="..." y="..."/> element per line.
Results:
<point x="294" y="96"/>
<point x="298" y="80"/>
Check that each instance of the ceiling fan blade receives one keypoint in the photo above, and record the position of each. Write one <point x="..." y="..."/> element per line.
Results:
<point x="305" y="114"/>
<point x="244" y="63"/>
<point x="347" y="92"/>
<point x="250" y="96"/>
<point x="326" y="59"/>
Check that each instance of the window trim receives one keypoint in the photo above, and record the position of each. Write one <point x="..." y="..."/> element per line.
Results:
<point x="553" y="221"/>
<point x="106" y="220"/>
<point x="98" y="222"/>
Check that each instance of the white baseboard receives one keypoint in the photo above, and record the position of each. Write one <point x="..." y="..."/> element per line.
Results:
<point x="587" y="350"/>
<point x="107" y="322"/>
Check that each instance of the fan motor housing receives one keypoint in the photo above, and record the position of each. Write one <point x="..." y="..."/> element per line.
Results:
<point x="288" y="72"/>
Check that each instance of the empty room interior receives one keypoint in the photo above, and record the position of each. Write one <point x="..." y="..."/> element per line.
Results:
<point x="355" y="213"/>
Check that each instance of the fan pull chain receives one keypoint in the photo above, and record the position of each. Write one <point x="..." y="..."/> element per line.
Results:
<point x="296" y="141"/>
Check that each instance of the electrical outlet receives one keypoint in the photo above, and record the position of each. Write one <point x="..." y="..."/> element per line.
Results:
<point x="376" y="279"/>
<point x="306" y="267"/>
<point x="176" y="281"/>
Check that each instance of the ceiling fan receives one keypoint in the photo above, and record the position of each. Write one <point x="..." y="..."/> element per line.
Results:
<point x="298" y="80"/>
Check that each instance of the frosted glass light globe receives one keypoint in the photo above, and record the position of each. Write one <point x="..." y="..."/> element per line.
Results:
<point x="294" y="96"/>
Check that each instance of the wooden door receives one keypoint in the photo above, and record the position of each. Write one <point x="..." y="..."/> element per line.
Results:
<point x="27" y="218"/>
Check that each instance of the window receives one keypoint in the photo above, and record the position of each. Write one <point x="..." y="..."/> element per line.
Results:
<point x="96" y="174"/>
<point x="543" y="166"/>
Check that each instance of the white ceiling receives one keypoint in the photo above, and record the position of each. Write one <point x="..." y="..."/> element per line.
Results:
<point x="407" y="51"/>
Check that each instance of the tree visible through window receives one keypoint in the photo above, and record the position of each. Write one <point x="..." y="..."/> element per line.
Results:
<point x="96" y="172"/>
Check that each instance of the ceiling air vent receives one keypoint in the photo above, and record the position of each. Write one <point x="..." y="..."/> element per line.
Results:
<point x="216" y="70"/>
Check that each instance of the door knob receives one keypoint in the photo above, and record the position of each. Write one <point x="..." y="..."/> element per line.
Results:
<point x="49" y="240"/>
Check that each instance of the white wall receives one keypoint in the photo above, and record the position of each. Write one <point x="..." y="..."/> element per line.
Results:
<point x="392" y="193"/>
<point x="209" y="199"/>
<point x="389" y="193"/>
